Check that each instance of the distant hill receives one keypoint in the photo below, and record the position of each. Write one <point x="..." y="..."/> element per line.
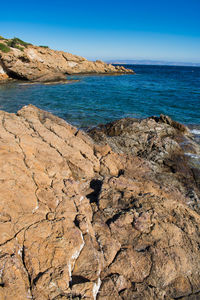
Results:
<point x="153" y="62"/>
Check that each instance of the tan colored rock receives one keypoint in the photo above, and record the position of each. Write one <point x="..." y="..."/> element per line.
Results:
<point x="133" y="265"/>
<point x="38" y="204"/>
<point x="3" y="77"/>
<point x="78" y="220"/>
<point x="45" y="65"/>
<point x="108" y="291"/>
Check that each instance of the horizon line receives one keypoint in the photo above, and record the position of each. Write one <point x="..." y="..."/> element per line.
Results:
<point x="152" y="62"/>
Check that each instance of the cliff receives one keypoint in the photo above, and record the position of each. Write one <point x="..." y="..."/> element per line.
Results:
<point x="21" y="60"/>
<point x="113" y="215"/>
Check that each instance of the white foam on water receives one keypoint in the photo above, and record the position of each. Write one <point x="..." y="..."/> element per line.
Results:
<point x="192" y="155"/>
<point x="195" y="131"/>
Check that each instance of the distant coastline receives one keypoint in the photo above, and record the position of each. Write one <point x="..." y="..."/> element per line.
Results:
<point x="153" y="62"/>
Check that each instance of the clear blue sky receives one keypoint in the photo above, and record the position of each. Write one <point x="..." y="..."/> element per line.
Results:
<point x="108" y="29"/>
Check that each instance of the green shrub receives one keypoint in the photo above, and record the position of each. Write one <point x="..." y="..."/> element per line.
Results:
<point x="2" y="38"/>
<point x="20" y="42"/>
<point x="9" y="43"/>
<point x="44" y="46"/>
<point x="18" y="47"/>
<point x="15" y="42"/>
<point x="4" y="48"/>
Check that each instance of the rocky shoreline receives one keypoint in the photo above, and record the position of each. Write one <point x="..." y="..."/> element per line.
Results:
<point x="24" y="61"/>
<point x="111" y="214"/>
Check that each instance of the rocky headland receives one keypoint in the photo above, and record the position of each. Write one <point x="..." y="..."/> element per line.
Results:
<point x="112" y="214"/>
<point x="24" y="61"/>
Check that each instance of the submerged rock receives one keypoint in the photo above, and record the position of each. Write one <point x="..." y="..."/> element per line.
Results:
<point x="113" y="217"/>
<point x="27" y="62"/>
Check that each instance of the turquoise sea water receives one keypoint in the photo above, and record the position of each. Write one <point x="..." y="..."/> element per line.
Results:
<point x="170" y="90"/>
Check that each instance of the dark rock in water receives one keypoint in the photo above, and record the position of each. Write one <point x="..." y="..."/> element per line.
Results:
<point x="114" y="218"/>
<point x="159" y="141"/>
<point x="169" y="121"/>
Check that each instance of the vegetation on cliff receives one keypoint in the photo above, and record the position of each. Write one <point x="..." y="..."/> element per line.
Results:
<point x="13" y="43"/>
<point x="44" y="46"/>
<point x="17" y="43"/>
<point x="4" y="48"/>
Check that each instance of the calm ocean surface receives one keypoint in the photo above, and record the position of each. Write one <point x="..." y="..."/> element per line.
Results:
<point x="170" y="90"/>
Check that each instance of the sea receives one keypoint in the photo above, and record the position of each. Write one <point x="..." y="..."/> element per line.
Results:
<point x="87" y="101"/>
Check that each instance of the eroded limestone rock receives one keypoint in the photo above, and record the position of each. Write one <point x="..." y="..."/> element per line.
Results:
<point x="45" y="65"/>
<point x="87" y="220"/>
